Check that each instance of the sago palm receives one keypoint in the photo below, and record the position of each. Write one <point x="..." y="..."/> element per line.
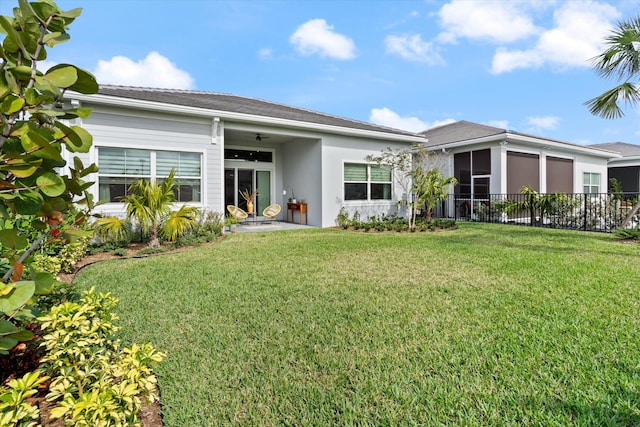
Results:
<point x="620" y="60"/>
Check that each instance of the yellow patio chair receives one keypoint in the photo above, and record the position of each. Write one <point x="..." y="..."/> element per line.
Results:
<point x="271" y="212"/>
<point x="237" y="213"/>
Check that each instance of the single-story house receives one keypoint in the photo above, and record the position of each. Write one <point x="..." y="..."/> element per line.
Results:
<point x="489" y="160"/>
<point x="221" y="144"/>
<point x="626" y="168"/>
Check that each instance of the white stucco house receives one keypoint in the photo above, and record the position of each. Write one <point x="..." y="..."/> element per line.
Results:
<point x="221" y="144"/>
<point x="489" y="160"/>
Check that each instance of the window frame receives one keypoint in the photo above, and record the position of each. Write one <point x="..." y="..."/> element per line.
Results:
<point x="154" y="174"/>
<point x="369" y="183"/>
<point x="587" y="187"/>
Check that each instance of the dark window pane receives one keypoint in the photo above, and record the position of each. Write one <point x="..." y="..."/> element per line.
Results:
<point x="380" y="191"/>
<point x="248" y="155"/>
<point x="481" y="188"/>
<point x="355" y="191"/>
<point x="188" y="190"/>
<point x="482" y="162"/>
<point x="229" y="187"/>
<point x="462" y="172"/>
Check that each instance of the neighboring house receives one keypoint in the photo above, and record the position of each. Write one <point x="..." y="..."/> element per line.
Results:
<point x="489" y="160"/>
<point x="626" y="169"/>
<point x="221" y="144"/>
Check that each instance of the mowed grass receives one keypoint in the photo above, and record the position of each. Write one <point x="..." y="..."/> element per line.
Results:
<point x="484" y="325"/>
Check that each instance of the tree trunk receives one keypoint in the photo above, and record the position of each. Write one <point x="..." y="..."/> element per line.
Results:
<point x="153" y="241"/>
<point x="630" y="215"/>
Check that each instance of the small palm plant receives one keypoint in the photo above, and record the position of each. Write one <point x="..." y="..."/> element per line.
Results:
<point x="149" y="203"/>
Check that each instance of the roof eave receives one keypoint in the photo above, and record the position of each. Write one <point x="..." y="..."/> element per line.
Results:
<point x="511" y="137"/>
<point x="227" y="115"/>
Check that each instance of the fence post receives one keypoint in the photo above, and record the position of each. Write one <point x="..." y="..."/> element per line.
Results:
<point x="585" y="211"/>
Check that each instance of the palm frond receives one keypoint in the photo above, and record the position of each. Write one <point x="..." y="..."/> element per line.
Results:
<point x="607" y="105"/>
<point x="112" y="229"/>
<point x="179" y="222"/>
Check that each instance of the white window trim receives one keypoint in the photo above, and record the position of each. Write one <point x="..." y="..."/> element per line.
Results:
<point x="599" y="185"/>
<point x="152" y="176"/>
<point x="368" y="200"/>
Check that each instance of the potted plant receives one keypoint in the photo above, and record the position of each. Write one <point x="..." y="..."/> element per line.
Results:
<point x="249" y="196"/>
<point x="232" y="223"/>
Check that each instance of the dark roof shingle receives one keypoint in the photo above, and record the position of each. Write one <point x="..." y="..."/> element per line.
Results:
<point x="625" y="149"/>
<point x="239" y="104"/>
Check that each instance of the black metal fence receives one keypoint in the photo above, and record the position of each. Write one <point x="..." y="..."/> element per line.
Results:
<point x="603" y="212"/>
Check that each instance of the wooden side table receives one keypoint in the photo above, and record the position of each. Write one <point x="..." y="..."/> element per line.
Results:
<point x="301" y="208"/>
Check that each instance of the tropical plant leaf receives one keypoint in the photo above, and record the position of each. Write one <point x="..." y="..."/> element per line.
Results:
<point x="10" y="238"/>
<point x="62" y="75"/>
<point x="11" y="104"/>
<point x="21" y="293"/>
<point x="51" y="184"/>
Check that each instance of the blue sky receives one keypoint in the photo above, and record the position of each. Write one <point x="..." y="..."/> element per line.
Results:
<point x="408" y="64"/>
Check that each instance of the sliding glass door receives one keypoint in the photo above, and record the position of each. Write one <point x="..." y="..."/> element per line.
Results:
<point x="241" y="179"/>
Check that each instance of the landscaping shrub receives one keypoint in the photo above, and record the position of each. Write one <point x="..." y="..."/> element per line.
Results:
<point x="628" y="234"/>
<point x="93" y="382"/>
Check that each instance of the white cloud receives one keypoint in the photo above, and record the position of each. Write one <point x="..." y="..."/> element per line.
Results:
<point x="317" y="37"/>
<point x="386" y="117"/>
<point x="265" y="53"/>
<point x="580" y="28"/>
<point x="543" y="122"/>
<point x="500" y="124"/>
<point x="505" y="60"/>
<point x="153" y="71"/>
<point x="413" y="48"/>
<point x="496" y="21"/>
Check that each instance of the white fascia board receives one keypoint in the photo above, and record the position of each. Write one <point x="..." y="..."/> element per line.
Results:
<point x="226" y="115"/>
<point x="622" y="161"/>
<point x="507" y="137"/>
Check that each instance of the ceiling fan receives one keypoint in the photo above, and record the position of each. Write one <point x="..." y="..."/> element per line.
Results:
<point x="259" y="137"/>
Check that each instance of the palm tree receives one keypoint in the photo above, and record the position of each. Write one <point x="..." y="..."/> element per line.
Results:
<point x="430" y="188"/>
<point x="149" y="203"/>
<point x="621" y="60"/>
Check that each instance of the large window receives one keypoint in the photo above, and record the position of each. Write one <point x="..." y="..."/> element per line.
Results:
<point x="366" y="182"/>
<point x="591" y="182"/>
<point x="121" y="167"/>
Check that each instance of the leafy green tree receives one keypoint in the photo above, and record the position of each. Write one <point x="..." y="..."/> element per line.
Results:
<point x="32" y="137"/>
<point x="150" y="203"/>
<point x="620" y="60"/>
<point x="411" y="170"/>
<point x="401" y="164"/>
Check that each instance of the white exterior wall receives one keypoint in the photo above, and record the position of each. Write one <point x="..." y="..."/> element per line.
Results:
<point x="338" y="150"/>
<point x="498" y="181"/>
<point x="152" y="131"/>
<point x="583" y="164"/>
<point x="302" y="177"/>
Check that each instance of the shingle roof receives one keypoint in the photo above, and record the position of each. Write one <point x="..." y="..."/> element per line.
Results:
<point x="625" y="149"/>
<point x="239" y="104"/>
<point x="459" y="131"/>
<point x="465" y="131"/>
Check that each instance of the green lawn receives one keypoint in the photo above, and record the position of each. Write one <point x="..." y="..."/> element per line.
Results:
<point x="484" y="325"/>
